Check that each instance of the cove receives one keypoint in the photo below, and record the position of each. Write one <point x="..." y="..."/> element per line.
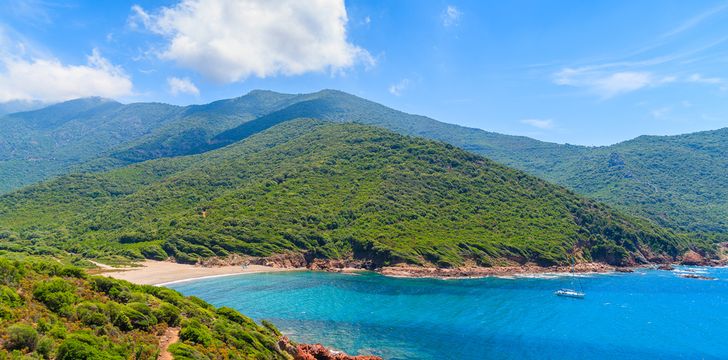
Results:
<point x="645" y="314"/>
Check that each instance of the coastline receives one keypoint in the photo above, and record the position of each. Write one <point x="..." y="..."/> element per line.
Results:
<point x="475" y="272"/>
<point x="161" y="273"/>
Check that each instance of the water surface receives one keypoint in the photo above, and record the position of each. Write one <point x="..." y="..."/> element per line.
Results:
<point x="646" y="314"/>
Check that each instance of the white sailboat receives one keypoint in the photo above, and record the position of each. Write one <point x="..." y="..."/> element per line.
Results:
<point x="572" y="293"/>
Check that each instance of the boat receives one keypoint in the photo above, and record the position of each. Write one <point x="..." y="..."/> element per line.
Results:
<point x="570" y="293"/>
<point x="576" y="294"/>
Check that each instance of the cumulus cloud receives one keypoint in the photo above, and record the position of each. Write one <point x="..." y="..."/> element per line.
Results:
<point x="398" y="88"/>
<point x="539" y="123"/>
<point x="182" y="86"/>
<point x="230" y="40"/>
<point x="608" y="85"/>
<point x="49" y="80"/>
<point x="451" y="16"/>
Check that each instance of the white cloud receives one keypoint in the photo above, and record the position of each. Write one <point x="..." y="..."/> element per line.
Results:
<point x="49" y="80"/>
<point x="230" y="40"/>
<point x="451" y="16"/>
<point x="539" y="123"/>
<point x="398" y="88"/>
<point x="698" y="78"/>
<point x="608" y="85"/>
<point x="182" y="86"/>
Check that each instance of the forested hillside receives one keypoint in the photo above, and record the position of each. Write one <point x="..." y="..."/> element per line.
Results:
<point x="332" y="191"/>
<point x="676" y="181"/>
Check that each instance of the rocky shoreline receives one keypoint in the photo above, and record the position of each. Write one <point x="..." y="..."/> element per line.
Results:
<point x="300" y="261"/>
<point x="318" y="352"/>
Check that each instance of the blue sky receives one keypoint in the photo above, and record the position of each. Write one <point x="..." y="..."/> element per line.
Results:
<point x="580" y="72"/>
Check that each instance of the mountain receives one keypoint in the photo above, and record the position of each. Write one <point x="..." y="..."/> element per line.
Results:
<point x="52" y="311"/>
<point x="37" y="144"/>
<point x="676" y="181"/>
<point x="331" y="191"/>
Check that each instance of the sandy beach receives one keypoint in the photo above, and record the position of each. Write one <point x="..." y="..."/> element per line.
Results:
<point x="163" y="272"/>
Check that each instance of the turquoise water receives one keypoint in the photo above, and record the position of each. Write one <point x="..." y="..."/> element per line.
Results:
<point x="646" y="314"/>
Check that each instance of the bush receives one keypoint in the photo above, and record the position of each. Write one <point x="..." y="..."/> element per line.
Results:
<point x="21" y="336"/>
<point x="154" y="252"/>
<point x="91" y="314"/>
<point x="9" y="297"/>
<point x="55" y="294"/>
<point x="45" y="347"/>
<point x="234" y="316"/>
<point x="185" y="352"/>
<point x="196" y="333"/>
<point x="80" y="347"/>
<point x="168" y="314"/>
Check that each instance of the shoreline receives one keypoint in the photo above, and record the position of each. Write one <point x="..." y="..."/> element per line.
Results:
<point x="161" y="273"/>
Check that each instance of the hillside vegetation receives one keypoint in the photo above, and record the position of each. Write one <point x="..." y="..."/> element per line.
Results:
<point x="676" y="181"/>
<point x="51" y="311"/>
<point x="331" y="191"/>
<point x="680" y="182"/>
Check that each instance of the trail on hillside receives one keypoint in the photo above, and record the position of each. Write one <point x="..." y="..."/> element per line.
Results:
<point x="170" y="336"/>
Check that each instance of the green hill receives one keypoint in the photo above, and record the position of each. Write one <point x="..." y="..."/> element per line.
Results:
<point x="331" y="191"/>
<point x="677" y="181"/>
<point x="50" y="311"/>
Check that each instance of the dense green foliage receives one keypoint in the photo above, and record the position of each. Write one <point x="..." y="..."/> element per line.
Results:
<point x="677" y="181"/>
<point x="332" y="191"/>
<point x="95" y="133"/>
<point x="58" y="312"/>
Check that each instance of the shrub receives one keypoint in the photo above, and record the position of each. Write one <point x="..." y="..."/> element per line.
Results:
<point x="9" y="297"/>
<point x="80" y="347"/>
<point x="22" y="336"/>
<point x="45" y="347"/>
<point x="234" y="316"/>
<point x="91" y="314"/>
<point x="168" y="314"/>
<point x="55" y="294"/>
<point x="195" y="332"/>
<point x="186" y="352"/>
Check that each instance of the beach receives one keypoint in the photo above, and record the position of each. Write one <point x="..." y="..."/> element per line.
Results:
<point x="163" y="272"/>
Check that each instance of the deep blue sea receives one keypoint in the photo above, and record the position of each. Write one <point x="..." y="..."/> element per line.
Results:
<point x="648" y="314"/>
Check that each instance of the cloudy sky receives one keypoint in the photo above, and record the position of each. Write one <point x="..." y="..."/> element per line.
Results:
<point x="581" y="72"/>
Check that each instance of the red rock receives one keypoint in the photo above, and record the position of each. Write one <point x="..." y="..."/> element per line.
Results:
<point x="692" y="258"/>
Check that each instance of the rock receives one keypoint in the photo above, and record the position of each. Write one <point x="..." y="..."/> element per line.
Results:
<point x="287" y="260"/>
<point x="692" y="258"/>
<point x="317" y="352"/>
<point x="699" y="277"/>
<point x="624" y="270"/>
<point x="667" y="267"/>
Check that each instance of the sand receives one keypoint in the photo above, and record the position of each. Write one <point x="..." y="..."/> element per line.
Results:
<point x="163" y="272"/>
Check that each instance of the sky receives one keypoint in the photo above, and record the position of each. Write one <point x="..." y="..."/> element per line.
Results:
<point x="578" y="72"/>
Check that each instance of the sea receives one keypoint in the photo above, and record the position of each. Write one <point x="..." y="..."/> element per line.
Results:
<point x="647" y="314"/>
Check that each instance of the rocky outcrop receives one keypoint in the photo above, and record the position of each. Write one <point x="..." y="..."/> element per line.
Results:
<point x="286" y="260"/>
<point x="693" y="258"/>
<point x="474" y="271"/>
<point x="317" y="352"/>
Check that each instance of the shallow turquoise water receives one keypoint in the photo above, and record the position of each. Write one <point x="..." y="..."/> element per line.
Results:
<point x="646" y="314"/>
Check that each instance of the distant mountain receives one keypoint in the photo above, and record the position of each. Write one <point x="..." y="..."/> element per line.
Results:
<point x="333" y="191"/>
<point x="678" y="181"/>
<point x="20" y="105"/>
